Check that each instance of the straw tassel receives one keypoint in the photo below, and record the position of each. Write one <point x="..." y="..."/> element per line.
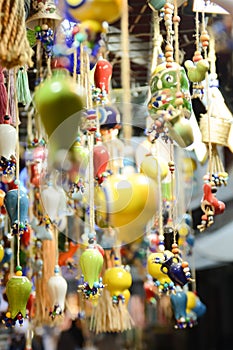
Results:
<point x="22" y="85"/>
<point x="3" y="96"/>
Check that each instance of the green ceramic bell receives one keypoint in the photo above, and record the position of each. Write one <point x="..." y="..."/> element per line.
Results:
<point x="18" y="290"/>
<point x="91" y="262"/>
<point x="59" y="103"/>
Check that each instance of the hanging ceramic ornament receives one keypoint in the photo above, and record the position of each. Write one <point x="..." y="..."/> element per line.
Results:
<point x="149" y="167"/>
<point x="100" y="159"/>
<point x="96" y="10"/>
<point x="126" y="203"/>
<point x="117" y="280"/>
<point x="8" y="141"/>
<point x="179" y="304"/>
<point x="50" y="198"/>
<point x="57" y="288"/>
<point x="18" y="290"/>
<point x="59" y="103"/>
<point x="43" y="12"/>
<point x="210" y="205"/>
<point x="161" y="280"/>
<point x="163" y="103"/>
<point x="102" y="75"/>
<point x="91" y="262"/>
<point x="17" y="204"/>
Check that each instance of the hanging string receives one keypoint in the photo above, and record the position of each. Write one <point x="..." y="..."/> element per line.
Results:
<point x="75" y="65"/>
<point x="17" y="174"/>
<point x="160" y="199"/>
<point x="125" y="72"/>
<point x="197" y="30"/>
<point x="210" y="165"/>
<point x="157" y="41"/>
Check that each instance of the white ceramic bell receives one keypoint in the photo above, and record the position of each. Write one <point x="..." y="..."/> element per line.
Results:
<point x="8" y="140"/>
<point x="57" y="288"/>
<point x="51" y="200"/>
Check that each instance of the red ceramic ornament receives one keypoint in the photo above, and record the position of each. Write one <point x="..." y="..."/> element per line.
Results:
<point x="101" y="159"/>
<point x="102" y="75"/>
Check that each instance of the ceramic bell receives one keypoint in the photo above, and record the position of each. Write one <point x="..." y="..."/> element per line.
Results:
<point x="96" y="10"/>
<point x="57" y="288"/>
<point x="117" y="280"/>
<point x="43" y="12"/>
<point x="127" y="203"/>
<point x="91" y="262"/>
<point x="50" y="198"/>
<point x="179" y="303"/>
<point x="149" y="167"/>
<point x="102" y="74"/>
<point x="59" y="102"/>
<point x="8" y="140"/>
<point x="18" y="290"/>
<point x="11" y="204"/>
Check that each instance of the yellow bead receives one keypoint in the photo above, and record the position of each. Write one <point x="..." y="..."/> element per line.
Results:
<point x="18" y="273"/>
<point x="8" y="314"/>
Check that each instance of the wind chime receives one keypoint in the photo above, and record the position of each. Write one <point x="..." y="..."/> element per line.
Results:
<point x="215" y="128"/>
<point x="15" y="51"/>
<point x="170" y="108"/>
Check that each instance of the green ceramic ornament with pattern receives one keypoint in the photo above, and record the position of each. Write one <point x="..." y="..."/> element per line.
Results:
<point x="18" y="290"/>
<point x="91" y="262"/>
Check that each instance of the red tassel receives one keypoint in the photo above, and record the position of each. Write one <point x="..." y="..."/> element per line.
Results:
<point x="3" y="97"/>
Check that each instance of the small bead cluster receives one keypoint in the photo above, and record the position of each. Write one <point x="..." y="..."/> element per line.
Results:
<point x="99" y="96"/>
<point x="57" y="311"/>
<point x="20" y="228"/>
<point x="158" y="128"/>
<point x="77" y="189"/>
<point x="218" y="178"/>
<point x="171" y="166"/>
<point x="204" y="39"/>
<point x="116" y="299"/>
<point x="164" y="288"/>
<point x="45" y="35"/>
<point x="11" y="322"/>
<point x="91" y="292"/>
<point x="7" y="168"/>
<point x="187" y="322"/>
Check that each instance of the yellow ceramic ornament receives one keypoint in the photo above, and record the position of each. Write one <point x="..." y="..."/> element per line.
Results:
<point x="126" y="295"/>
<point x="127" y="203"/>
<point x="1" y="252"/>
<point x="191" y="301"/>
<point x="117" y="279"/>
<point x="96" y="10"/>
<point x="149" y="167"/>
<point x="154" y="268"/>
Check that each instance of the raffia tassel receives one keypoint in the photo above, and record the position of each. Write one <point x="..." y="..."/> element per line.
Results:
<point x="109" y="318"/>
<point x="15" y="49"/>
<point x="22" y="85"/>
<point x="43" y="302"/>
<point x="3" y="96"/>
